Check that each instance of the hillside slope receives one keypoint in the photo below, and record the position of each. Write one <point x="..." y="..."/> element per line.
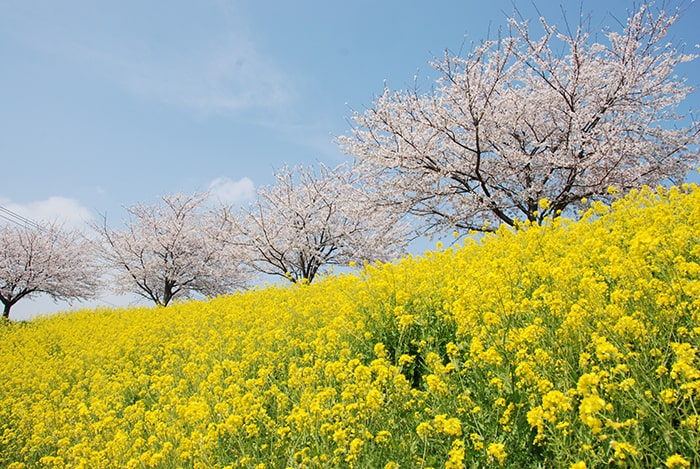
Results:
<point x="572" y="344"/>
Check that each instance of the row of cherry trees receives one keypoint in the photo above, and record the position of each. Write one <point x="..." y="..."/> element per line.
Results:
<point x="185" y="245"/>
<point x="308" y="219"/>
<point x="517" y="120"/>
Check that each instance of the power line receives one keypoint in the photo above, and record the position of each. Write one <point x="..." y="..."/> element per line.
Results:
<point x="13" y="217"/>
<point x="16" y="218"/>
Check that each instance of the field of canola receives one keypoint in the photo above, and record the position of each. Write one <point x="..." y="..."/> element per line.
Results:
<point x="572" y="345"/>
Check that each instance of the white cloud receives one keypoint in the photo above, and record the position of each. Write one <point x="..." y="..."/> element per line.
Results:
<point x="62" y="210"/>
<point x="228" y="191"/>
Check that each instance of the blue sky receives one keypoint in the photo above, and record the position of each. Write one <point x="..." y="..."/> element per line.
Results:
<point x="106" y="104"/>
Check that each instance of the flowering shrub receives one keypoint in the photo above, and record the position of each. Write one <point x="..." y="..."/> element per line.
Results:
<point x="566" y="344"/>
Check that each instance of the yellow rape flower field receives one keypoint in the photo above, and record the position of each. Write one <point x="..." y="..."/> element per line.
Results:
<point x="572" y="344"/>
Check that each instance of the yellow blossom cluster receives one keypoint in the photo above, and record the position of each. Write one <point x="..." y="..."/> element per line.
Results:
<point x="569" y="344"/>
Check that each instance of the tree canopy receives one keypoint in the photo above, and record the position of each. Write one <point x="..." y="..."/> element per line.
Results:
<point x="45" y="259"/>
<point x="310" y="219"/>
<point x="521" y="119"/>
<point x="169" y="250"/>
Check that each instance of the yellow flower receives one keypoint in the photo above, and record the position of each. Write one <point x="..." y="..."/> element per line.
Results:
<point x="623" y="450"/>
<point x="627" y="384"/>
<point x="456" y="456"/>
<point x="406" y="320"/>
<point x="424" y="430"/>
<point x="535" y="417"/>
<point x="252" y="430"/>
<point x="340" y="435"/>
<point x="284" y="432"/>
<point x="587" y="384"/>
<point x="498" y="384"/>
<point x="436" y="385"/>
<point x="374" y="399"/>
<point x="497" y="451"/>
<point x="556" y="401"/>
<point x="356" y="445"/>
<point x="507" y="414"/>
<point x="604" y="350"/>
<point x="382" y="436"/>
<point x="451" y="426"/>
<point x="452" y="350"/>
<point x="683" y="368"/>
<point x="677" y="461"/>
<point x="477" y="441"/>
<point x="668" y="396"/>
<point x="691" y="422"/>
<point x="380" y="350"/>
<point x="589" y="407"/>
<point x="405" y="360"/>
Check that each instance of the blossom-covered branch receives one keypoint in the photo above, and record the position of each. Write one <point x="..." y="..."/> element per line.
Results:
<point x="310" y="219"/>
<point x="169" y="251"/>
<point x="45" y="259"/>
<point x="522" y="119"/>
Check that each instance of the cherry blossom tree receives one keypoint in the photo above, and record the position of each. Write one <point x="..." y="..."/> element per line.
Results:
<point x="310" y="219"/>
<point x="522" y="119"/>
<point x="170" y="250"/>
<point x="45" y="259"/>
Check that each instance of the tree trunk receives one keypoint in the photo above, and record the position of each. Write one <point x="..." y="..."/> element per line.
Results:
<point x="10" y="300"/>
<point x="167" y="292"/>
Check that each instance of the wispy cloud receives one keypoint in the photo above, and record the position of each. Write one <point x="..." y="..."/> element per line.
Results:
<point x="171" y="58"/>
<point x="228" y="191"/>
<point x="233" y="77"/>
<point x="62" y="210"/>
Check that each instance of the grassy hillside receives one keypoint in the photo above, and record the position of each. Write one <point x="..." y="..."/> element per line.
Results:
<point x="566" y="345"/>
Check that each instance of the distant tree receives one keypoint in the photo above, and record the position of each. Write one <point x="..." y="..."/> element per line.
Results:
<point x="45" y="259"/>
<point x="310" y="219"/>
<point x="168" y="251"/>
<point x="521" y="119"/>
